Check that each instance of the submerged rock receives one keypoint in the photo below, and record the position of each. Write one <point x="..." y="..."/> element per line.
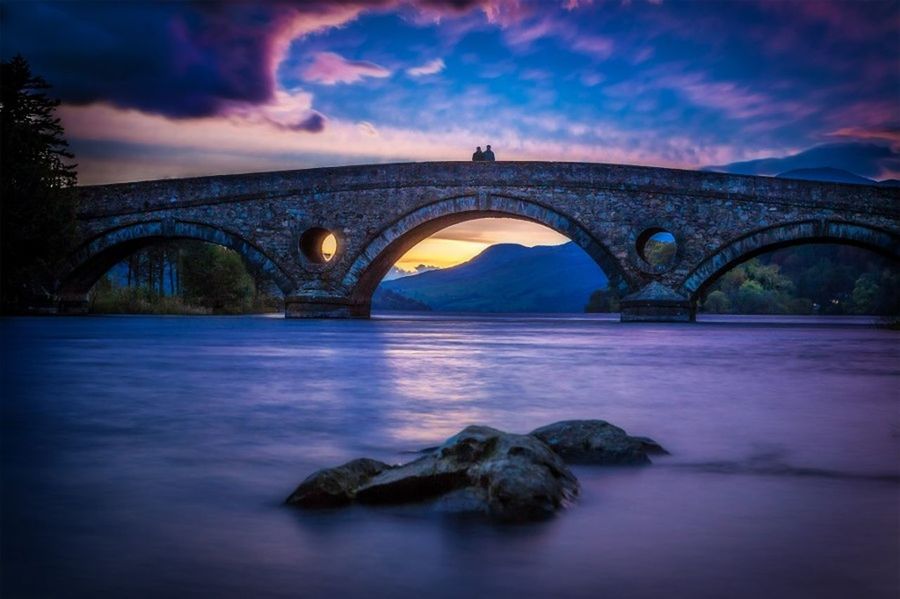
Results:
<point x="509" y="476"/>
<point x="335" y="486"/>
<point x="596" y="442"/>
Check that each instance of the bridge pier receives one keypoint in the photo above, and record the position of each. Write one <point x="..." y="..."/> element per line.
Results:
<point x="657" y="303"/>
<point x="298" y="306"/>
<point x="73" y="304"/>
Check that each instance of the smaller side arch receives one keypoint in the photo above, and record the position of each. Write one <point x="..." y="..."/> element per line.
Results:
<point x="96" y="256"/>
<point x="758" y="242"/>
<point x="376" y="258"/>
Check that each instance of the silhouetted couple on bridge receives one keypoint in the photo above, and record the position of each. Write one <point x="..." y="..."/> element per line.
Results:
<point x="486" y="156"/>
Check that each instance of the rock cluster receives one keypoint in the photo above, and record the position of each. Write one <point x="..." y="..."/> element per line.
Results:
<point x="508" y="476"/>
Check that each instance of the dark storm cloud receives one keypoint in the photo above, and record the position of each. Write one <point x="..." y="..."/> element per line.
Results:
<point x="865" y="159"/>
<point x="172" y="58"/>
<point x="168" y="58"/>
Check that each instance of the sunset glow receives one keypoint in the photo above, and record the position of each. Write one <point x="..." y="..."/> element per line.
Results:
<point x="464" y="241"/>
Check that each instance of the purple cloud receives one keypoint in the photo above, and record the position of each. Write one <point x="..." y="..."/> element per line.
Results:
<point x="330" y="68"/>
<point x="314" y="123"/>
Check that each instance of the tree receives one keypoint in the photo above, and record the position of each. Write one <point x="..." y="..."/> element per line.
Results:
<point x="717" y="303"/>
<point x="37" y="220"/>
<point x="608" y="299"/>
<point x="215" y="277"/>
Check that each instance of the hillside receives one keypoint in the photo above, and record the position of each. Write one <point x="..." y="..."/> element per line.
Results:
<point x="829" y="175"/>
<point x="504" y="278"/>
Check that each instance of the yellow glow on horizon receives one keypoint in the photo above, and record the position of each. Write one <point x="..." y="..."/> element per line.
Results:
<point x="442" y="253"/>
<point x="462" y="242"/>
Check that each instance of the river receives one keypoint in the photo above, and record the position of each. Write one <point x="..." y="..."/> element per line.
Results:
<point x="149" y="456"/>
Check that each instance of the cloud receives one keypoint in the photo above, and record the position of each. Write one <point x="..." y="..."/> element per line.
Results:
<point x="177" y="59"/>
<point x="501" y="230"/>
<point x="887" y="133"/>
<point x="871" y="160"/>
<point x="314" y="123"/>
<point x="594" y="45"/>
<point x="429" y="68"/>
<point x="367" y="128"/>
<point x="187" y="59"/>
<point x="330" y="68"/>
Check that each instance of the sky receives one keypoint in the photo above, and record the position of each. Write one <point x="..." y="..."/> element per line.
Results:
<point x="173" y="89"/>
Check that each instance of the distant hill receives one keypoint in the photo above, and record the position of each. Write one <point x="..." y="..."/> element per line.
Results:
<point x="385" y="299"/>
<point x="862" y="158"/>
<point x="827" y="174"/>
<point x="504" y="278"/>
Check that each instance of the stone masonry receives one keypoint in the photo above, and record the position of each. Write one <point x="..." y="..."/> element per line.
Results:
<point x="276" y="221"/>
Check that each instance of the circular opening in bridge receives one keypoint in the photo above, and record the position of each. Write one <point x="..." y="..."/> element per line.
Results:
<point x="318" y="245"/>
<point x="657" y="247"/>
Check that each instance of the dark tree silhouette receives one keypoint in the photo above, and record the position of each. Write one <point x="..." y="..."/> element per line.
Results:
<point x="37" y="220"/>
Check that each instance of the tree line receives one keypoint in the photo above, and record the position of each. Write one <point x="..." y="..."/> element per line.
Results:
<point x="812" y="279"/>
<point x="185" y="276"/>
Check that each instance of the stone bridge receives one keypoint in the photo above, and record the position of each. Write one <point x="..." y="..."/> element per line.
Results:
<point x="277" y="222"/>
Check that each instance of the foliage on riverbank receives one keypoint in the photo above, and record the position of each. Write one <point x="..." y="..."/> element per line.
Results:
<point x="184" y="277"/>
<point x="814" y="279"/>
<point x="818" y="279"/>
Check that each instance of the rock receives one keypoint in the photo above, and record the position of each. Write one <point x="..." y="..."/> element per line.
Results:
<point x="335" y="486"/>
<point x="510" y="477"/>
<point x="650" y="446"/>
<point x="596" y="442"/>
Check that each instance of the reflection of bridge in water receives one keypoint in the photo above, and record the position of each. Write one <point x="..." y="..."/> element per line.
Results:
<point x="277" y="222"/>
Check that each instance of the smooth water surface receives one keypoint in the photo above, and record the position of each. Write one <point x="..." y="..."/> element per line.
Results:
<point x="148" y="456"/>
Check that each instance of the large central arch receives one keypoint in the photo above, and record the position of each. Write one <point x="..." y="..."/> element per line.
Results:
<point x="773" y="238"/>
<point x="375" y="260"/>
<point x="95" y="257"/>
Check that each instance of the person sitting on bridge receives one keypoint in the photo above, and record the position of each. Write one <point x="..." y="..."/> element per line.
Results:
<point x="488" y="154"/>
<point x="478" y="156"/>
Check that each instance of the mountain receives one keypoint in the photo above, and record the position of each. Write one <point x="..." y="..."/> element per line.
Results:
<point x="863" y="158"/>
<point x="827" y="174"/>
<point x="504" y="278"/>
<point x="385" y="299"/>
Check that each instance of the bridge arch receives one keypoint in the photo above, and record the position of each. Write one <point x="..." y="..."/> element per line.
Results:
<point x="96" y="256"/>
<point x="374" y="261"/>
<point x="773" y="238"/>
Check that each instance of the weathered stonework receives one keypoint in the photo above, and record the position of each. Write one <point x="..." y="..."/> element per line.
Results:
<point x="377" y="212"/>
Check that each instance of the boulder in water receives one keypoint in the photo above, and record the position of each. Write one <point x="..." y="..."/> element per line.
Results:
<point x="511" y="477"/>
<point x="596" y="442"/>
<point x="337" y="486"/>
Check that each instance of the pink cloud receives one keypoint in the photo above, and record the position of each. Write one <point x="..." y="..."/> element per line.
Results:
<point x="330" y="68"/>
<point x="725" y="96"/>
<point x="888" y="134"/>
<point x="594" y="45"/>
